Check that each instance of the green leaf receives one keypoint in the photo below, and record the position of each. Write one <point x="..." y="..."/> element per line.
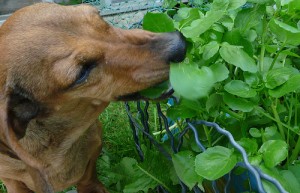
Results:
<point x="215" y="162"/>
<point x="235" y="37"/>
<point x="271" y="133"/>
<point x="289" y="53"/>
<point x="274" y="152"/>
<point x="250" y="145"/>
<point x="261" y="1"/>
<point x="282" y="176"/>
<point x="251" y="35"/>
<point x="240" y="88"/>
<point x="213" y="101"/>
<point x="285" y="33"/>
<point x="279" y="76"/>
<point x="188" y="17"/>
<point x="191" y="82"/>
<point x="291" y="85"/>
<point x="272" y="48"/>
<point x="182" y="14"/>
<point x="254" y="132"/>
<point x="236" y="56"/>
<point x="198" y="2"/>
<point x="158" y="22"/>
<point x="251" y="79"/>
<point x="210" y="49"/>
<point x="255" y="160"/>
<point x="238" y="104"/>
<point x="108" y="176"/>
<point x="180" y="111"/>
<point x="268" y="62"/>
<point x="169" y="3"/>
<point x="184" y="164"/>
<point x="285" y="2"/>
<point x="269" y="187"/>
<point x="234" y="4"/>
<point x="191" y="104"/>
<point x="155" y="91"/>
<point x="218" y="5"/>
<point x="220" y="71"/>
<point x="249" y="18"/>
<point x="291" y="180"/>
<point x="295" y="169"/>
<point x="154" y="171"/>
<point x="228" y="22"/>
<point x="294" y="6"/>
<point x="142" y="182"/>
<point x="200" y="26"/>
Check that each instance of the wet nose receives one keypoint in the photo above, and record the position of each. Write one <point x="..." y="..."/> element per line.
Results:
<point x="176" y="49"/>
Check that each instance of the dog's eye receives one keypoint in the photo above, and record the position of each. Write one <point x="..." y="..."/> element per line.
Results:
<point x="85" y="72"/>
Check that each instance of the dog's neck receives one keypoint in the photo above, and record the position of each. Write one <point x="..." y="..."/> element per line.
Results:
<point x="63" y="126"/>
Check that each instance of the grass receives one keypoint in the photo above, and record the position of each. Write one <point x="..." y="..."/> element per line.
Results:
<point x="118" y="140"/>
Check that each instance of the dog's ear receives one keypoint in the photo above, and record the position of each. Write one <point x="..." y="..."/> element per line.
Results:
<point x="21" y="108"/>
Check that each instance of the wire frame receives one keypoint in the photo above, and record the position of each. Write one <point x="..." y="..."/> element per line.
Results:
<point x="142" y="126"/>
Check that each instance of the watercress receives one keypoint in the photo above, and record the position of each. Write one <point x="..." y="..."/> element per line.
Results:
<point x="241" y="71"/>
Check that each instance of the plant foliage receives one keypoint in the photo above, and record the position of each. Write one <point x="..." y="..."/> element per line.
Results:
<point x="241" y="71"/>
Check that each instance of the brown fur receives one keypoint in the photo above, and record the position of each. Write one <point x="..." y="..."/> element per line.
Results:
<point x="50" y="137"/>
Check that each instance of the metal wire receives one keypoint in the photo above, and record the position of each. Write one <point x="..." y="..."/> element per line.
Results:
<point x="166" y="124"/>
<point x="135" y="134"/>
<point x="256" y="172"/>
<point x="134" y="123"/>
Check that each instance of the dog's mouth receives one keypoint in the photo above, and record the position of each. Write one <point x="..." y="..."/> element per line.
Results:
<point x="158" y="92"/>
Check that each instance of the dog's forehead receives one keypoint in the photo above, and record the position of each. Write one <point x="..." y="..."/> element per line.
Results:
<point x="46" y="35"/>
<point x="40" y="28"/>
<point x="56" y="17"/>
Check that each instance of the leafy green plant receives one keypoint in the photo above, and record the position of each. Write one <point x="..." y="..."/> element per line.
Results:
<point x="241" y="71"/>
<point x="71" y="2"/>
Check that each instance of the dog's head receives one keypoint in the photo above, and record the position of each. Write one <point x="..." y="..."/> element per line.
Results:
<point x="51" y="51"/>
<point x="52" y="54"/>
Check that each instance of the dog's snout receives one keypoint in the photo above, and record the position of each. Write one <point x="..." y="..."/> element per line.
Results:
<point x="170" y="47"/>
<point x="176" y="48"/>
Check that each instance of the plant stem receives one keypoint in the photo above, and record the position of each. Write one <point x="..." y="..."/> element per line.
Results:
<point x="263" y="48"/>
<point x="174" y="126"/>
<point x="261" y="61"/>
<point x="155" y="118"/>
<point x="275" y="58"/>
<point x="273" y="119"/>
<point x="277" y="118"/>
<point x="296" y="110"/>
<point x="207" y="133"/>
<point x="217" y="140"/>
<point x="290" y="108"/>
<point x="295" y="151"/>
<point x="233" y="114"/>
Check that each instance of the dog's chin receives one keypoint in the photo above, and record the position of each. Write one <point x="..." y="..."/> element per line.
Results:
<point x="137" y="96"/>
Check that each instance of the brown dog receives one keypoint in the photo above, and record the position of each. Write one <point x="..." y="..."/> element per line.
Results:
<point x="59" y="68"/>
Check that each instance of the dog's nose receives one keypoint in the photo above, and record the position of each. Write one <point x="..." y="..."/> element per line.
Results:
<point x="170" y="47"/>
<point x="176" y="47"/>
